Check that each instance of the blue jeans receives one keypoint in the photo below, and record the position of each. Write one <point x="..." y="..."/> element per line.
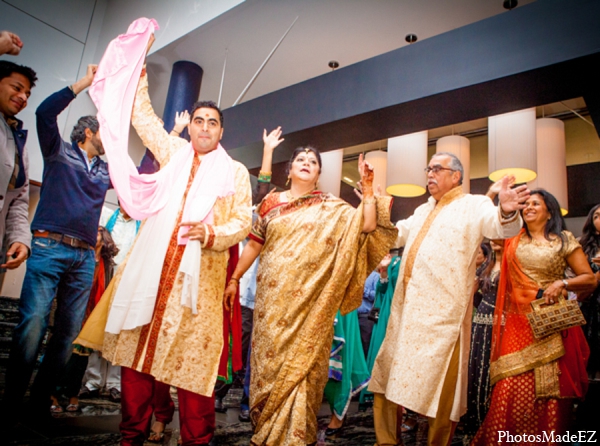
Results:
<point x="53" y="270"/>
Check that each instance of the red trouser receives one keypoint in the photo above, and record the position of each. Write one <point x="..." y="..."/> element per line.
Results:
<point x="196" y="412"/>
<point x="163" y="403"/>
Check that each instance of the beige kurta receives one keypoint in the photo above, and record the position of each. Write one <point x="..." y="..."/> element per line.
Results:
<point x="431" y="308"/>
<point x="187" y="347"/>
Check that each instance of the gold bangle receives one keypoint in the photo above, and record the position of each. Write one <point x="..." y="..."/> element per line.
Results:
<point x="370" y="200"/>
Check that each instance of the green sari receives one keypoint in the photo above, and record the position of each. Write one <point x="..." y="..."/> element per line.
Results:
<point x="383" y="300"/>
<point x="348" y="372"/>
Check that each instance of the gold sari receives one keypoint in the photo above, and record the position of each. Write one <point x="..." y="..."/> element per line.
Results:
<point x="314" y="261"/>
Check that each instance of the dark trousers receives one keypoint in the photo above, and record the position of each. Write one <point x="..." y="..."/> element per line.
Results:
<point x="366" y="329"/>
<point x="247" y="317"/>
<point x="54" y="271"/>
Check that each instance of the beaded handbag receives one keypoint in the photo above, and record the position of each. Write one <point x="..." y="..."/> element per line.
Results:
<point x="548" y="319"/>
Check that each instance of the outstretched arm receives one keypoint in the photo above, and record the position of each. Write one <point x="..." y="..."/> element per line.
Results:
<point x="249" y="255"/>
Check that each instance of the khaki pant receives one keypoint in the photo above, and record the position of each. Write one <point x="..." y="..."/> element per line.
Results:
<point x="441" y="429"/>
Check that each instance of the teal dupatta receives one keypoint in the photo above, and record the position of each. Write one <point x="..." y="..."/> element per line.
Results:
<point x="348" y="372"/>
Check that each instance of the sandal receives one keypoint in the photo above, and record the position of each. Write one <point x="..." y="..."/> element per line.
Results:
<point x="155" y="436"/>
<point x="73" y="408"/>
<point x="55" y="408"/>
<point x="409" y="425"/>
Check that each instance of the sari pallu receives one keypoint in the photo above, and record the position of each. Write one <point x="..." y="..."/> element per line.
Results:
<point x="534" y="381"/>
<point x="314" y="261"/>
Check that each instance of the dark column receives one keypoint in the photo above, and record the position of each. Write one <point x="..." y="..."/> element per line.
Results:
<point x="184" y="89"/>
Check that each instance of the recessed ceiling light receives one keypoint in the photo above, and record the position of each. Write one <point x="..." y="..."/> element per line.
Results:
<point x="333" y="64"/>
<point x="411" y="38"/>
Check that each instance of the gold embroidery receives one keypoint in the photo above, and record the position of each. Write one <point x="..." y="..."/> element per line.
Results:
<point x="546" y="381"/>
<point x="535" y="355"/>
<point x="448" y="198"/>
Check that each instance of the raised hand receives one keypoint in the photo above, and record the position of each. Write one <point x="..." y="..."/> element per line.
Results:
<point x="10" y="43"/>
<point x="366" y="176"/>
<point x="497" y="186"/>
<point x="512" y="199"/>
<point x="182" y="119"/>
<point x="273" y="139"/>
<point x="86" y="80"/>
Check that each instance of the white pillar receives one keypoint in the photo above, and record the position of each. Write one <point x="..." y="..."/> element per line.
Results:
<point x="331" y="171"/>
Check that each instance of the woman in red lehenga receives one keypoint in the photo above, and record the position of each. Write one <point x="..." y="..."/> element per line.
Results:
<point x="536" y="380"/>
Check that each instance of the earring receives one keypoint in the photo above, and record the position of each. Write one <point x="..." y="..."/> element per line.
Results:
<point x="287" y="182"/>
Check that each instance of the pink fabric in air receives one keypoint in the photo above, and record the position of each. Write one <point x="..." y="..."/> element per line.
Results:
<point x="113" y="91"/>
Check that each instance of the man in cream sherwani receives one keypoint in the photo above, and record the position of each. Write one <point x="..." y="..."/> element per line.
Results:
<point x="423" y="362"/>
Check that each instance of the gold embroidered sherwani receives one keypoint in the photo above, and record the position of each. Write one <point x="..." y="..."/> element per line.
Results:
<point x="432" y="304"/>
<point x="180" y="348"/>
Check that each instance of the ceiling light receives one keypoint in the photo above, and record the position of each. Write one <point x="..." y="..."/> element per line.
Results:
<point x="510" y="4"/>
<point x="411" y="38"/>
<point x="552" y="160"/>
<point x="512" y="145"/>
<point x="378" y="160"/>
<point x="407" y="157"/>
<point x="333" y="64"/>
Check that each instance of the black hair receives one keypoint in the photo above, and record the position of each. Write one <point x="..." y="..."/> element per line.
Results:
<point x="590" y="239"/>
<point x="206" y="104"/>
<point x="109" y="247"/>
<point x="300" y="150"/>
<point x="85" y="122"/>
<point x="556" y="223"/>
<point x="7" y="68"/>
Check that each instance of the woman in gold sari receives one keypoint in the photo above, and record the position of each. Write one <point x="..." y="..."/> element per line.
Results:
<point x="535" y="380"/>
<point x="315" y="255"/>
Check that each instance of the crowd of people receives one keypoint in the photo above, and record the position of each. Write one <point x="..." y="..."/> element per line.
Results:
<point x="425" y="318"/>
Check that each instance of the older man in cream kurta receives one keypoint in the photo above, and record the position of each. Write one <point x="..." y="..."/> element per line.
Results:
<point x="180" y="348"/>
<point x="423" y="362"/>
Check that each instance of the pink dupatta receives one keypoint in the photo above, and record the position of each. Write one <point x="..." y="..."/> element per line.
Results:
<point x="155" y="197"/>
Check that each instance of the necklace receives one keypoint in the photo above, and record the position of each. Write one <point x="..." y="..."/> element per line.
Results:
<point x="290" y="197"/>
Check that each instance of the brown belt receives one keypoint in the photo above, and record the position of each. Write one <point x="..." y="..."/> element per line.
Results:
<point x="63" y="238"/>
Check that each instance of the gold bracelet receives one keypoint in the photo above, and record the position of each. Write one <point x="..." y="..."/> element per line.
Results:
<point x="370" y="200"/>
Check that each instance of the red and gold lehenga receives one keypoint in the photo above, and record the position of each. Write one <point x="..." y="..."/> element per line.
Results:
<point x="535" y="380"/>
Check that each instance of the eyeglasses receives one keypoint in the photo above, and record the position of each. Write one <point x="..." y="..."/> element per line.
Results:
<point x="437" y="168"/>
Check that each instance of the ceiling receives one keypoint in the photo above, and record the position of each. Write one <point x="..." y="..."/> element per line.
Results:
<point x="347" y="31"/>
